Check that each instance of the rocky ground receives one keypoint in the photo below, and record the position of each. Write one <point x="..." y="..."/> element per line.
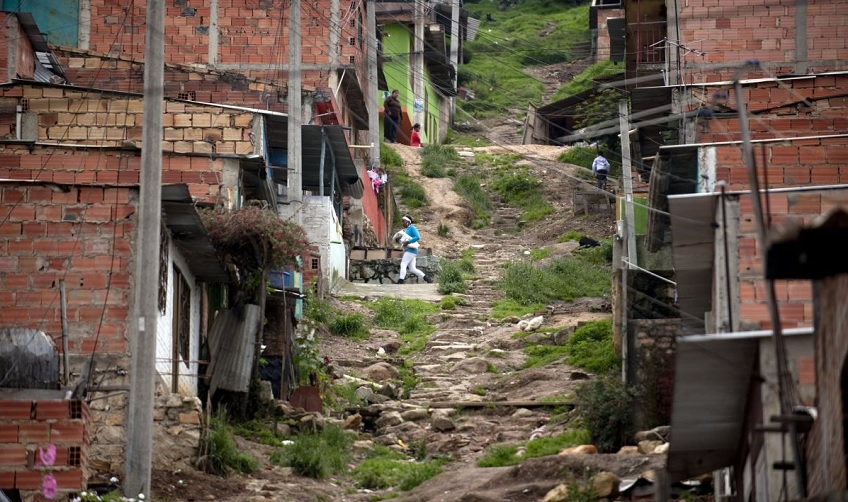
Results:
<point x="468" y="359"/>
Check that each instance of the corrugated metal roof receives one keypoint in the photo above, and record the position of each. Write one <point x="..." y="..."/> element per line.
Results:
<point x="232" y="347"/>
<point x="712" y="380"/>
<point x="693" y="246"/>
<point x="47" y="66"/>
<point x="189" y="235"/>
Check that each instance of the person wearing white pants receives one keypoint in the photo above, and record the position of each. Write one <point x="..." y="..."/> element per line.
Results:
<point x="410" y="252"/>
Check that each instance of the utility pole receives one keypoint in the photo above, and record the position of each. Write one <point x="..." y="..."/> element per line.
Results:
<point x="456" y="37"/>
<point x="295" y="118"/>
<point x="418" y="67"/>
<point x="629" y="232"/>
<point x="629" y="218"/>
<point x="371" y="91"/>
<point x="145" y="305"/>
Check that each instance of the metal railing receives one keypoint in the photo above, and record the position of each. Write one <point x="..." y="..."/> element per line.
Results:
<point x="648" y="38"/>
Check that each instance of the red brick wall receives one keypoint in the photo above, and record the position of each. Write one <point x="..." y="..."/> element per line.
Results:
<point x="734" y="32"/>
<point x="26" y="426"/>
<point x="778" y="111"/>
<point x="82" y="236"/>
<point x="250" y="33"/>
<point x="603" y="31"/>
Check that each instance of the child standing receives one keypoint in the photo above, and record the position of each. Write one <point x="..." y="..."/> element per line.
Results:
<point x="415" y="136"/>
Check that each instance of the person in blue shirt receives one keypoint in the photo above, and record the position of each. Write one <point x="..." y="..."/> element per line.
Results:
<point x="410" y="251"/>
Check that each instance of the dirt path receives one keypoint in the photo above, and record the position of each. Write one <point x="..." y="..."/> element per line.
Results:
<point x="469" y="358"/>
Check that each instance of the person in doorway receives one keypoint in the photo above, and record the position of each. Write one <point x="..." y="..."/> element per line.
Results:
<point x="415" y="136"/>
<point x="391" y="117"/>
<point x="410" y="251"/>
<point x="601" y="167"/>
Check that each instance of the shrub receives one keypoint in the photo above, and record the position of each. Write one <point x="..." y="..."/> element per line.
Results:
<point x="590" y="347"/>
<point x="317" y="454"/>
<point x="451" y="279"/>
<point x="515" y="186"/>
<point x="605" y="408"/>
<point x="349" y="325"/>
<point x="442" y="230"/>
<point x="317" y="309"/>
<point x="223" y="454"/>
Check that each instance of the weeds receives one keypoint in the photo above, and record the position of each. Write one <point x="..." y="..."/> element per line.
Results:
<point x="451" y="279"/>
<point x="223" y="454"/>
<point x="442" y="230"/>
<point x="543" y="355"/>
<point x="590" y="347"/>
<point x="468" y="187"/>
<point x="389" y="157"/>
<point x="349" y="326"/>
<point x="408" y="318"/>
<point x="436" y="159"/>
<point x="509" y="307"/>
<point x="604" y="407"/>
<point x="564" y="279"/>
<point x="385" y="468"/>
<point x="502" y="455"/>
<point x="317" y="455"/>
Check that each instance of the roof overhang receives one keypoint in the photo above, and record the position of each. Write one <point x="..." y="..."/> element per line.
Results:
<point x="339" y="170"/>
<point x="693" y="249"/>
<point x="712" y="382"/>
<point x="355" y="97"/>
<point x="189" y="235"/>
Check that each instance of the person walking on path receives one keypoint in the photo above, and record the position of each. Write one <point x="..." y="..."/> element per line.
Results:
<point x="410" y="251"/>
<point x="391" y="117"/>
<point x="601" y="166"/>
<point x="415" y="136"/>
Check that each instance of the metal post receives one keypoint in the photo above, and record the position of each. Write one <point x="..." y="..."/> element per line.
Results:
<point x="321" y="166"/>
<point x="146" y="277"/>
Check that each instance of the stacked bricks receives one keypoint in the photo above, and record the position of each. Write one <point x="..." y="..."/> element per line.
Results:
<point x="743" y="30"/>
<point x="251" y="38"/>
<point x="27" y="425"/>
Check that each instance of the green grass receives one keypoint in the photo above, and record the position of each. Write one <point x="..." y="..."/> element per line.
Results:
<point x="408" y="318"/>
<point x="349" y="326"/>
<point x="540" y="254"/>
<point x="389" y="157"/>
<point x="571" y="235"/>
<point x="582" y="156"/>
<point x="317" y="455"/>
<point x="584" y="80"/>
<point x="509" y="307"/>
<point x="384" y="468"/>
<point x="502" y="455"/>
<point x="259" y="431"/>
<point x="590" y="347"/>
<point x="436" y="159"/>
<point x="523" y="190"/>
<point x="543" y="355"/>
<point x="564" y="279"/>
<point x="223" y="453"/>
<point x="536" y="32"/>
<point x="468" y="187"/>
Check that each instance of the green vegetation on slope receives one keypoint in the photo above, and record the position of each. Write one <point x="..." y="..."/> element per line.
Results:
<point x="534" y="33"/>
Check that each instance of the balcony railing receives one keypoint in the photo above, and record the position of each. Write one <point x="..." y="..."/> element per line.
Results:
<point x="649" y="40"/>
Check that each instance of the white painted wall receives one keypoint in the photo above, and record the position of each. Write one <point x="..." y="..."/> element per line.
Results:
<point x="325" y="232"/>
<point x="187" y="384"/>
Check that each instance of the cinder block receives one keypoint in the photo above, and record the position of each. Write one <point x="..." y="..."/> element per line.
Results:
<point x="68" y="432"/>
<point x="28" y="480"/>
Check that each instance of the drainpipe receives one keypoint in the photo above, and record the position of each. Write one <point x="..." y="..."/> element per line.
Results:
<point x="18" y="117"/>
